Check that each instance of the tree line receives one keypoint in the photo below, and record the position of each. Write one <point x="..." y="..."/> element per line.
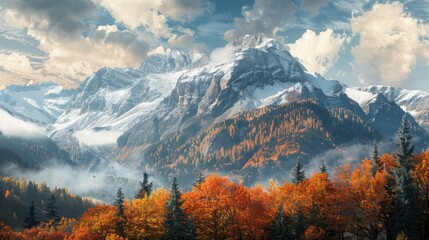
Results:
<point x="18" y="195"/>
<point x="383" y="197"/>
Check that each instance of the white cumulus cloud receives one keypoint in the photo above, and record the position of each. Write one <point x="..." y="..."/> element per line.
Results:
<point x="12" y="126"/>
<point x="16" y="62"/>
<point x="70" y="56"/>
<point x="268" y="17"/>
<point x="318" y="52"/>
<point x="391" y="42"/>
<point x="220" y="54"/>
<point x="153" y="14"/>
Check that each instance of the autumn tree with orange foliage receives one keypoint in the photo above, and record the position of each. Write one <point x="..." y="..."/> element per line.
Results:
<point x="223" y="209"/>
<point x="368" y="194"/>
<point x="146" y="216"/>
<point x="421" y="176"/>
<point x="356" y="202"/>
<point x="96" y="223"/>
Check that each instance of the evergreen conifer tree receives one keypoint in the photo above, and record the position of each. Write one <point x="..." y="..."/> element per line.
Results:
<point x="279" y="228"/>
<point x="51" y="211"/>
<point x="323" y="168"/>
<point x="298" y="224"/>
<point x="31" y="219"/>
<point x="376" y="164"/>
<point x="191" y="233"/>
<point x="298" y="173"/>
<point x="388" y="205"/>
<point x="406" y="214"/>
<point x="145" y="187"/>
<point x="200" y="179"/>
<point x="119" y="203"/>
<point x="175" y="221"/>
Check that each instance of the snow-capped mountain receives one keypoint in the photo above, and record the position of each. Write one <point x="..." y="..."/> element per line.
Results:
<point x="172" y="61"/>
<point x="110" y="101"/>
<point x="415" y="102"/>
<point x="260" y="73"/>
<point x="39" y="104"/>
<point x="128" y="114"/>
<point x="383" y="112"/>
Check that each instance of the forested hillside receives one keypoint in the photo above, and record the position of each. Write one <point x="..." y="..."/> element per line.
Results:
<point x="17" y="194"/>
<point x="254" y="145"/>
<point x="385" y="196"/>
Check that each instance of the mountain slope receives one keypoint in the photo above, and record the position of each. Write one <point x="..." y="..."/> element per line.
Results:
<point x="26" y="145"/>
<point x="251" y="78"/>
<point x="179" y="111"/>
<point x="40" y="104"/>
<point x="382" y="113"/>
<point x="415" y="102"/>
<point x="260" y="143"/>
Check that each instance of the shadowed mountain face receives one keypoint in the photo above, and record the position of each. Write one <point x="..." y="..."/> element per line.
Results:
<point x="249" y="115"/>
<point x="262" y="143"/>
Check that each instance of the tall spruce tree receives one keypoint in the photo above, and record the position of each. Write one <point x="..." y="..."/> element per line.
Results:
<point x="191" y="233"/>
<point x="200" y="179"/>
<point x="376" y="164"/>
<point x="298" y="173"/>
<point x="175" y="220"/>
<point x="51" y="211"/>
<point x="298" y="224"/>
<point x="145" y="187"/>
<point x="388" y="205"/>
<point x="323" y="168"/>
<point x="406" y="213"/>
<point x="119" y="203"/>
<point x="31" y="218"/>
<point x="279" y="229"/>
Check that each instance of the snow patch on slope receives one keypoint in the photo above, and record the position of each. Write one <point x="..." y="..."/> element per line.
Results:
<point x="274" y="94"/>
<point x="40" y="104"/>
<point x="328" y="87"/>
<point x="97" y="138"/>
<point x="361" y="97"/>
<point x="117" y="97"/>
<point x="110" y="124"/>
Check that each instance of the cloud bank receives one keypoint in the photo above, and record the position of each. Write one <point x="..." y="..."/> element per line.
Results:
<point x="14" y="127"/>
<point x="390" y="44"/>
<point x="59" y="28"/>
<point x="318" y="52"/>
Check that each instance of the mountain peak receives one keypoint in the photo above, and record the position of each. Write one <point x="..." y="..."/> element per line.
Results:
<point x="253" y="41"/>
<point x="172" y="60"/>
<point x="248" y="41"/>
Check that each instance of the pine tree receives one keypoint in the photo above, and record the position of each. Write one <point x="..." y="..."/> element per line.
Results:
<point x="175" y="221"/>
<point x="200" y="179"/>
<point x="376" y="164"/>
<point x="119" y="203"/>
<point x="145" y="187"/>
<point x="298" y="173"/>
<point x="323" y="168"/>
<point x="279" y="229"/>
<point x="406" y="214"/>
<point x="298" y="225"/>
<point x="405" y="148"/>
<point x="191" y="233"/>
<point x="388" y="205"/>
<point x="31" y="219"/>
<point x="51" y="211"/>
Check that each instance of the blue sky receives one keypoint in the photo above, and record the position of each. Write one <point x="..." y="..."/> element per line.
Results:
<point x="357" y="42"/>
